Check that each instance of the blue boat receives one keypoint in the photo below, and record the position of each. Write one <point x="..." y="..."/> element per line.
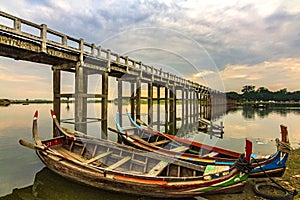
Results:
<point x="143" y="137"/>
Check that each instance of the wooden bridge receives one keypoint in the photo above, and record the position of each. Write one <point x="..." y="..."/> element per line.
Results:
<point x="65" y="53"/>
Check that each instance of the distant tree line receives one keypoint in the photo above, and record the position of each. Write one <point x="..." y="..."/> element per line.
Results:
<point x="249" y="93"/>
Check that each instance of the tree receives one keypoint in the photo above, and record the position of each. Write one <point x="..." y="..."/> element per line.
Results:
<point x="233" y="95"/>
<point x="248" y="89"/>
<point x="249" y="92"/>
<point x="263" y="94"/>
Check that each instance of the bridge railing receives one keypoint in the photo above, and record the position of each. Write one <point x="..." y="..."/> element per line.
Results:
<point x="48" y="37"/>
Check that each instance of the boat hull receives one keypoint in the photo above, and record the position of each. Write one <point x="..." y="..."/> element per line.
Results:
<point x="273" y="165"/>
<point x="139" y="186"/>
<point x="116" y="167"/>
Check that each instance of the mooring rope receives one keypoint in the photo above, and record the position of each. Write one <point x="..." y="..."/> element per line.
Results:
<point x="243" y="165"/>
<point x="283" y="146"/>
<point x="291" y="193"/>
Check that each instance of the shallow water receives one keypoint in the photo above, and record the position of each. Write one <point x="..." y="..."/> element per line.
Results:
<point x="20" y="167"/>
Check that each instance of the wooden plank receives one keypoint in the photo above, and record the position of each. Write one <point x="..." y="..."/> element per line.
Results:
<point x="83" y="148"/>
<point x="70" y="155"/>
<point x="211" y="154"/>
<point x="94" y="151"/>
<point x="180" y="149"/>
<point x="119" y="163"/>
<point x="157" y="169"/>
<point x="98" y="157"/>
<point x="160" y="142"/>
<point x="71" y="146"/>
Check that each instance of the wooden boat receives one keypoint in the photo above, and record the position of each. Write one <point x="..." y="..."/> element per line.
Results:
<point x="259" y="105"/>
<point x="116" y="167"/>
<point x="195" y="152"/>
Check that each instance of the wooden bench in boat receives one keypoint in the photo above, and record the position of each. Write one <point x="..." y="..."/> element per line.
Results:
<point x="70" y="155"/>
<point x="102" y="155"/>
<point x="160" y="142"/>
<point x="211" y="154"/>
<point x="157" y="169"/>
<point x="119" y="163"/>
<point x="154" y="144"/>
<point x="179" y="149"/>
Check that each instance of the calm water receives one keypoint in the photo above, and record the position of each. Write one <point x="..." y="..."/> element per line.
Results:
<point x="20" y="167"/>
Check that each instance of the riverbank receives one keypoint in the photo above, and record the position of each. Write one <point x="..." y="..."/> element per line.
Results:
<point x="290" y="180"/>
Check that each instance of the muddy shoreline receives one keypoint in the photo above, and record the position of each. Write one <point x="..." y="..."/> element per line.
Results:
<point x="290" y="180"/>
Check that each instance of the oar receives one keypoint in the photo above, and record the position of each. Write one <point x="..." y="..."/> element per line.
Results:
<point x="31" y="145"/>
<point x="34" y="146"/>
<point x="143" y="123"/>
<point x="116" y="131"/>
<point x="148" y="126"/>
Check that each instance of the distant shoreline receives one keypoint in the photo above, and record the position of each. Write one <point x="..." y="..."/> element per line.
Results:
<point x="5" y="102"/>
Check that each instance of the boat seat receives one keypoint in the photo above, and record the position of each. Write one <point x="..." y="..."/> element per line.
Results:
<point x="180" y="149"/>
<point x="211" y="154"/>
<point x="157" y="169"/>
<point x="160" y="142"/>
<point x="70" y="155"/>
<point x="119" y="163"/>
<point x="98" y="157"/>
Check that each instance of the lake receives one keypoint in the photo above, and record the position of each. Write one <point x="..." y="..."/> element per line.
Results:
<point x="20" y="167"/>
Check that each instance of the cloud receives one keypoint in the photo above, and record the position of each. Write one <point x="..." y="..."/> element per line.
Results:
<point x="188" y="36"/>
<point x="275" y="75"/>
<point x="203" y="73"/>
<point x="233" y="32"/>
<point x="18" y="78"/>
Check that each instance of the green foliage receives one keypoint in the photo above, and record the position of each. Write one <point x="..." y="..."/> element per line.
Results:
<point x="233" y="95"/>
<point x="263" y="94"/>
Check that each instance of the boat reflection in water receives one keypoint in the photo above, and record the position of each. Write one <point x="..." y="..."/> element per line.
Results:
<point x="50" y="186"/>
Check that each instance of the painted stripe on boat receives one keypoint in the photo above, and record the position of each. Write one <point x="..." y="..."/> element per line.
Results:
<point x="137" y="180"/>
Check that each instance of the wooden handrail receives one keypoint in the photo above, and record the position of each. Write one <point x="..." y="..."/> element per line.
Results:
<point x="84" y="48"/>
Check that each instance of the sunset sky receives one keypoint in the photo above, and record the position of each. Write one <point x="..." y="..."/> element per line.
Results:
<point x="222" y="44"/>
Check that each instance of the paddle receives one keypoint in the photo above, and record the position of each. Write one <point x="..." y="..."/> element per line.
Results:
<point x="31" y="145"/>
<point x="116" y="131"/>
<point x="148" y="126"/>
<point x="143" y="123"/>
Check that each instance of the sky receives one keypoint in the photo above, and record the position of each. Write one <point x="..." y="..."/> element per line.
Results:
<point x="221" y="44"/>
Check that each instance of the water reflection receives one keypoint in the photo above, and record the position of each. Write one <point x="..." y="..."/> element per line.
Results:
<point x="249" y="112"/>
<point x="50" y="186"/>
<point x="19" y="166"/>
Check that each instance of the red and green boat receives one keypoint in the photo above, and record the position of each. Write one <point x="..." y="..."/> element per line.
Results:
<point x="116" y="167"/>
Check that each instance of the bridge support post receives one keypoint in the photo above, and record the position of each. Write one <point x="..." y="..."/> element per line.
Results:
<point x="195" y="104"/>
<point x="158" y="108"/>
<point x="182" y="111"/>
<point x="104" y="105"/>
<point x="186" y="109"/>
<point x="56" y="94"/>
<point x="132" y="99"/>
<point x="138" y="98"/>
<point x="166" y="109"/>
<point x="80" y="100"/>
<point x="150" y="104"/>
<point x="120" y="103"/>
<point x="172" y="110"/>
